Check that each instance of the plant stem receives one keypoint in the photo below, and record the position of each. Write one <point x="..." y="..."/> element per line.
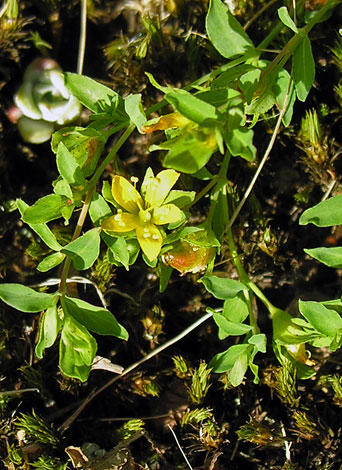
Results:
<point x="133" y="366"/>
<point x="78" y="229"/>
<point x="118" y="144"/>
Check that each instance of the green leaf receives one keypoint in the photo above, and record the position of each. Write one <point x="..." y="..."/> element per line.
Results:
<point x="240" y="143"/>
<point x="335" y="304"/>
<point x="85" y="145"/>
<point x="50" y="262"/>
<point x="239" y="369"/>
<point x="96" y="319"/>
<point x="42" y="230"/>
<point x="228" y="328"/>
<point x="115" y="253"/>
<point x="222" y="288"/>
<point x="98" y="209"/>
<point x="323" y="319"/>
<point x="324" y="214"/>
<point x="285" y="331"/>
<point x="229" y="77"/>
<point x="235" y="309"/>
<point x="135" y="110"/>
<point x="180" y="198"/>
<point x="190" y="151"/>
<point x="259" y="342"/>
<point x="62" y="188"/>
<point x="303" y="66"/>
<point x="89" y="92"/>
<point x="286" y="19"/>
<point x="164" y="276"/>
<point x="68" y="166"/>
<point x="25" y="299"/>
<point x="192" y="107"/>
<point x="45" y="209"/>
<point x="225" y="32"/>
<point x="84" y="250"/>
<point x="119" y="249"/>
<point x="330" y="256"/>
<point x="48" y="331"/>
<point x="77" y="349"/>
<point x="248" y="83"/>
<point x="283" y="86"/>
<point x="223" y="362"/>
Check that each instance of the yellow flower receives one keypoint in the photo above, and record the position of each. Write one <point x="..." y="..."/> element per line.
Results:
<point x="143" y="212"/>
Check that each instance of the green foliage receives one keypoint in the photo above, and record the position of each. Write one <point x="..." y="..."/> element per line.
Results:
<point x="324" y="318"/>
<point x="200" y="385"/>
<point x="128" y="429"/>
<point x="45" y="462"/>
<point x="212" y="120"/>
<point x="37" y="429"/>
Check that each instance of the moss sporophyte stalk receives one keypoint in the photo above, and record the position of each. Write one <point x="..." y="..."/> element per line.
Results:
<point x="143" y="212"/>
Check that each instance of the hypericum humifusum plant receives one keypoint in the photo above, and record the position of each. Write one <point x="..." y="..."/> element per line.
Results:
<point x="213" y="115"/>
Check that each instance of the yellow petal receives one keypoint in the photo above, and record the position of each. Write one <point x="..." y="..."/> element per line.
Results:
<point x="126" y="195"/>
<point x="158" y="188"/>
<point x="121" y="222"/>
<point x="166" y="214"/>
<point x="150" y="240"/>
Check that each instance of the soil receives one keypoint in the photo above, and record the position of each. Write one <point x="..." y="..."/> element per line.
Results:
<point x="253" y="426"/>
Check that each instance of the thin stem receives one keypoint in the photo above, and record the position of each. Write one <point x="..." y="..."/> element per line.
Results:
<point x="118" y="144"/>
<point x="203" y="192"/>
<point x="259" y="13"/>
<point x="180" y="448"/>
<point x="262" y="163"/>
<point x="133" y="366"/>
<point x="83" y="36"/>
<point x="78" y="229"/>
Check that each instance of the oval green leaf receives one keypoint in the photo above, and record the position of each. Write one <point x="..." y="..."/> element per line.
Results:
<point x="323" y="319"/>
<point x="77" y="349"/>
<point x="49" y="328"/>
<point x="225" y="32"/>
<point x="45" y="209"/>
<point x="84" y="250"/>
<point x="25" y="299"/>
<point x="96" y="319"/>
<point x="303" y="66"/>
<point x="222" y="288"/>
<point x="325" y="213"/>
<point x="330" y="256"/>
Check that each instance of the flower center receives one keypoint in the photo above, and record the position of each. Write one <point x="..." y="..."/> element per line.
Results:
<point x="144" y="216"/>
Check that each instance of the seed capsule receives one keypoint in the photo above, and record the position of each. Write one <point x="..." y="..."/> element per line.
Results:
<point x="188" y="258"/>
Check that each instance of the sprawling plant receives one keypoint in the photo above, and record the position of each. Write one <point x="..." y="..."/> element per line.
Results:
<point x="215" y="115"/>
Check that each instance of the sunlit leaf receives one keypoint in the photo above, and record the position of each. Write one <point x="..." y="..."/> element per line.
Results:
<point x="330" y="256"/>
<point x="325" y="213"/>
<point x="51" y="261"/>
<point x="77" y="349"/>
<point x="84" y="250"/>
<point x="45" y="209"/>
<point x="96" y="319"/>
<point x="303" y="66"/>
<point x="25" y="299"/>
<point x="42" y="230"/>
<point x="225" y="32"/>
<point x="323" y="319"/>
<point x="48" y="330"/>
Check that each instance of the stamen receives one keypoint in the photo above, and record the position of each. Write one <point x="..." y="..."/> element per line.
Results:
<point x="155" y="236"/>
<point x="134" y="180"/>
